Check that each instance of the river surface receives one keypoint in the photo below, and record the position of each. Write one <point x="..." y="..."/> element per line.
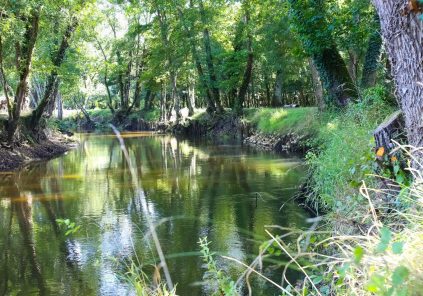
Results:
<point x="228" y="193"/>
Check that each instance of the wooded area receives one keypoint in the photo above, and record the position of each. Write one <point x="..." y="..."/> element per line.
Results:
<point x="291" y="74"/>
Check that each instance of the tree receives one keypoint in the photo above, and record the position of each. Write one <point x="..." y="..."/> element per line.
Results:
<point x="24" y="48"/>
<point x="188" y="27"/>
<point x="309" y="20"/>
<point x="209" y="58"/>
<point x="402" y="32"/>
<point x="52" y="81"/>
<point x="372" y="58"/>
<point x="250" y="59"/>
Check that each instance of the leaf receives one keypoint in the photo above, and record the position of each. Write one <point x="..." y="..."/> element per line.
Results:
<point x="397" y="247"/>
<point x="400" y="275"/>
<point x="385" y="235"/>
<point x="385" y="238"/>
<point x="375" y="284"/>
<point x="317" y="280"/>
<point x="400" y="178"/>
<point x="340" y="281"/>
<point x="358" y="254"/>
<point x="396" y="169"/>
<point x="343" y="269"/>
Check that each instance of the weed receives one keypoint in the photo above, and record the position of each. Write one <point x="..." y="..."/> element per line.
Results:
<point x="225" y="285"/>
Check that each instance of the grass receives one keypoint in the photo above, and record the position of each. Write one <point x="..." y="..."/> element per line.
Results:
<point x="301" y="121"/>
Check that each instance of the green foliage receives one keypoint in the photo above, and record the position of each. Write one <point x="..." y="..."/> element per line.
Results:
<point x="137" y="279"/>
<point x="69" y="226"/>
<point x="345" y="154"/>
<point x="216" y="277"/>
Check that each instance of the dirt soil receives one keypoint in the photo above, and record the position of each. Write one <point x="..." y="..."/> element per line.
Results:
<point x="24" y="153"/>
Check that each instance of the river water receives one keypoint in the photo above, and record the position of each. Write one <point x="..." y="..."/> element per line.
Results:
<point x="227" y="193"/>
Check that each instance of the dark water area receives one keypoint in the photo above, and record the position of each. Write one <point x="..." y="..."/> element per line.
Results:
<point x="227" y="193"/>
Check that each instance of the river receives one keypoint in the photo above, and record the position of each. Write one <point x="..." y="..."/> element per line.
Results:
<point x="228" y="193"/>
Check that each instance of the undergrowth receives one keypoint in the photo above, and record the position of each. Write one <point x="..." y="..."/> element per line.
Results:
<point x="343" y="153"/>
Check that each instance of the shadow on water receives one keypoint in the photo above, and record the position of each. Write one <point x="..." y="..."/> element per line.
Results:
<point x="225" y="192"/>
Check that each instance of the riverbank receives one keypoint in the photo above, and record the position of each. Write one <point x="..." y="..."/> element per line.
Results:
<point x="340" y="152"/>
<point x="26" y="152"/>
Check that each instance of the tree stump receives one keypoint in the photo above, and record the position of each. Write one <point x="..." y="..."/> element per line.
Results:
<point x="391" y="129"/>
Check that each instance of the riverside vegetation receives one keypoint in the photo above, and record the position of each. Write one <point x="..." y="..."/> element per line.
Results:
<point x="327" y="86"/>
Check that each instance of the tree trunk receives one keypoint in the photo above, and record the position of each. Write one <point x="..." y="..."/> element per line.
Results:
<point x="189" y="103"/>
<point x="211" y="106"/>
<point x="52" y="81"/>
<point x="317" y="86"/>
<point x="59" y="107"/>
<point x="353" y="65"/>
<point x="147" y="104"/>
<point x="335" y="77"/>
<point x="163" y="103"/>
<point x="105" y="78"/>
<point x="267" y="88"/>
<point x="402" y="31"/>
<point x="372" y="58"/>
<point x="309" y="17"/>
<point x="23" y="65"/>
<point x="209" y="60"/>
<point x="175" y="96"/>
<point x="52" y="104"/>
<point x="277" y="91"/>
<point x="137" y="95"/>
<point x="249" y="67"/>
<point x="164" y="31"/>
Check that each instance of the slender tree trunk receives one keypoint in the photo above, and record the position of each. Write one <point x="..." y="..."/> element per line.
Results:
<point x="105" y="79"/>
<point x="189" y="103"/>
<point x="162" y="104"/>
<point x="209" y="59"/>
<point x="402" y="31"/>
<point x="147" y="104"/>
<point x="249" y="67"/>
<point x="211" y="107"/>
<point x="317" y="86"/>
<point x="164" y="30"/>
<point x="175" y="96"/>
<point x="277" y="92"/>
<point x="52" y="81"/>
<point x="59" y="107"/>
<point x="267" y="89"/>
<point x="137" y="95"/>
<point x="52" y="104"/>
<point x="353" y="65"/>
<point x="372" y="58"/>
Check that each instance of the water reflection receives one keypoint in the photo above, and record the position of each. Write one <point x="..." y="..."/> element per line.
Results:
<point x="226" y="192"/>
